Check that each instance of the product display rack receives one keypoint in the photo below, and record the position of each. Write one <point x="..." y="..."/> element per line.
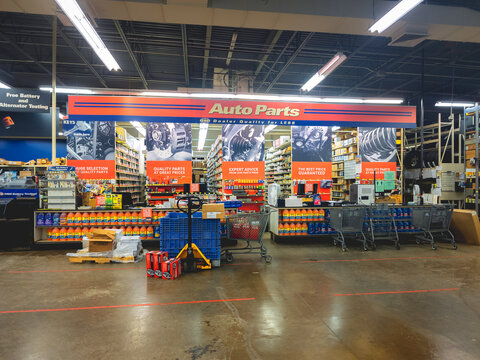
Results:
<point x="214" y="168"/>
<point x="128" y="178"/>
<point x="344" y="148"/>
<point x="89" y="219"/>
<point x="57" y="191"/>
<point x="157" y="194"/>
<point x="278" y="167"/>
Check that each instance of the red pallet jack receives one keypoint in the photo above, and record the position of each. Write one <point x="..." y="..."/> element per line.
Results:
<point x="191" y="257"/>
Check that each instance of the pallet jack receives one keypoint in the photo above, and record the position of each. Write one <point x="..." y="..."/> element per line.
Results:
<point x="191" y="257"/>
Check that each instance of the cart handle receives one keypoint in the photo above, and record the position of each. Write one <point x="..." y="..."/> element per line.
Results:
<point x="194" y="204"/>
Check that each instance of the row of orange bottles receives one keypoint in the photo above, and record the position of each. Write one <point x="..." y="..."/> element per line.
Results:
<point x="77" y="233"/>
<point x="293" y="229"/>
<point x="107" y="218"/>
<point x="302" y="214"/>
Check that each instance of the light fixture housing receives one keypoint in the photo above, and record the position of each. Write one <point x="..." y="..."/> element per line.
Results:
<point x="326" y="70"/>
<point x="61" y="90"/>
<point x="84" y="26"/>
<point x="202" y="135"/>
<point x="4" y="86"/>
<point x="139" y="127"/>
<point x="395" y="14"/>
<point x="453" y="104"/>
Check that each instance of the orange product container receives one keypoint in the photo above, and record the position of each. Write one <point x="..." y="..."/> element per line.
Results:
<point x="107" y="218"/>
<point x="155" y="217"/>
<point x="298" y="229"/>
<point x="62" y="234"/>
<point x="78" y="218"/>
<point x="304" y="214"/>
<point x="150" y="233"/>
<point x="304" y="229"/>
<point x="85" y="232"/>
<point x="70" y="234"/>
<point x="93" y="218"/>
<point x="128" y="231"/>
<point x="298" y="215"/>
<point x="134" y="217"/>
<point x="63" y="219"/>
<point x="321" y="214"/>
<point x="309" y="215"/>
<point x="143" y="233"/>
<point x="281" y="229"/>
<point x="315" y="214"/>
<point x="120" y="218"/>
<point x="50" y="234"/>
<point x="128" y="218"/>
<point x="78" y="233"/>
<point x="55" y="234"/>
<point x="70" y="218"/>
<point x="136" y="231"/>
<point x="285" y="215"/>
<point x="114" y="218"/>
<point x="100" y="218"/>
<point x="85" y="218"/>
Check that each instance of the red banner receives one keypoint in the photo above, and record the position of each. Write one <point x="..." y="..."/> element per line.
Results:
<point x="93" y="169"/>
<point x="379" y="168"/>
<point x="247" y="170"/>
<point x="166" y="171"/>
<point x="311" y="170"/>
<point x="121" y="108"/>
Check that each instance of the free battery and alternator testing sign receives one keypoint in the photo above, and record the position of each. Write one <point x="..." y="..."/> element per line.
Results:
<point x="24" y="100"/>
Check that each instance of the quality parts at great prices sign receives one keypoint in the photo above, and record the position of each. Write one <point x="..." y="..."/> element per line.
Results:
<point x="168" y="170"/>
<point x="180" y="110"/>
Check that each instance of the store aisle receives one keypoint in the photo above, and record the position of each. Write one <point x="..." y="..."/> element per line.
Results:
<point x="312" y="302"/>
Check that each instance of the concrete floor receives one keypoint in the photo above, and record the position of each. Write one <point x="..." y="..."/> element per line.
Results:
<point x="289" y="310"/>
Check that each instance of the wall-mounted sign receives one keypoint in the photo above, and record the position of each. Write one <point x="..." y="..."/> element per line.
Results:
<point x="248" y="170"/>
<point x="24" y="100"/>
<point x="178" y="110"/>
<point x="166" y="171"/>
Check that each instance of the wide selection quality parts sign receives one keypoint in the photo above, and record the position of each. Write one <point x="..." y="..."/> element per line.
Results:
<point x="176" y="110"/>
<point x="93" y="169"/>
<point x="24" y="100"/>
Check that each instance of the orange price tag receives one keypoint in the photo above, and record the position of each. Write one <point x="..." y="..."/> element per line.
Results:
<point x="308" y="187"/>
<point x="146" y="213"/>
<point x="194" y="188"/>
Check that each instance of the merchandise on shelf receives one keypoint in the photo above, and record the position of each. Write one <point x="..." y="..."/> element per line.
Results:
<point x="278" y="167"/>
<point x="344" y="152"/>
<point x="128" y="177"/>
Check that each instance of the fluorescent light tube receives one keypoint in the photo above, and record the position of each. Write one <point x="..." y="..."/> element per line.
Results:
<point x="320" y="75"/>
<point x="4" y="86"/>
<point x="83" y="25"/>
<point x="202" y="136"/>
<point x="269" y="128"/>
<point x="453" y="104"/>
<point x="394" y="15"/>
<point x="60" y="90"/>
<point x="139" y="127"/>
<point x="383" y="101"/>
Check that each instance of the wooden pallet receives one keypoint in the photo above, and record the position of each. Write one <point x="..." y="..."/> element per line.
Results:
<point x="99" y="260"/>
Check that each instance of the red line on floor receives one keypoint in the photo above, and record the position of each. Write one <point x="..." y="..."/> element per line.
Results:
<point x="69" y="270"/>
<point x="125" y="306"/>
<point x="397" y="292"/>
<point x="238" y="264"/>
<point x="386" y="259"/>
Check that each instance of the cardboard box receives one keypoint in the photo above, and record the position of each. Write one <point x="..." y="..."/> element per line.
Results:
<point x="172" y="269"/>
<point x="102" y="240"/>
<point x="466" y="226"/>
<point x="149" y="258"/>
<point x="158" y="259"/>
<point x="213" y="211"/>
<point x="25" y="173"/>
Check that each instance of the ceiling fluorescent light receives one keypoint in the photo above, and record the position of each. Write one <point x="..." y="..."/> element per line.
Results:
<point x="319" y="76"/>
<point x="453" y="104"/>
<point x="4" y="86"/>
<point x="202" y="136"/>
<point x="83" y="25"/>
<point x="269" y="128"/>
<point x="60" y="90"/>
<point x="383" y="101"/>
<point x="394" y="15"/>
<point x="139" y="127"/>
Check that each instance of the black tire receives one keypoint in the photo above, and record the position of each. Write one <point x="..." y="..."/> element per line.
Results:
<point x="268" y="259"/>
<point x="229" y="258"/>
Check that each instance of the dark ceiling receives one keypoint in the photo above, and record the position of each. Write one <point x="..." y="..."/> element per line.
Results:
<point x="274" y="61"/>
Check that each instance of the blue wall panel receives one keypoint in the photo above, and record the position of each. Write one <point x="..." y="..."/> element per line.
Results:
<point x="30" y="149"/>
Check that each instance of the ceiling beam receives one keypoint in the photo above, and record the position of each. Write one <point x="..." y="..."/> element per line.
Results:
<point x="264" y="58"/>
<point x="28" y="56"/>
<point x="290" y="60"/>
<point x="81" y="56"/>
<point x="185" y="54"/>
<point x="206" y="54"/>
<point x="130" y="52"/>
<point x="232" y="46"/>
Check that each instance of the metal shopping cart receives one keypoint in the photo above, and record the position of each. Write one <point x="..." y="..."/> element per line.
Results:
<point x="348" y="221"/>
<point x="248" y="227"/>
<point x="434" y="221"/>
<point x="382" y="225"/>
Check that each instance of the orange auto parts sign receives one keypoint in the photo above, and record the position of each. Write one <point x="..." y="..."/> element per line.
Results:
<point x="150" y="109"/>
<point x="166" y="171"/>
<point x="369" y="169"/>
<point x="248" y="170"/>
<point x="93" y="169"/>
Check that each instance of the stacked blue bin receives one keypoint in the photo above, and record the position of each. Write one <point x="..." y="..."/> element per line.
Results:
<point x="173" y="231"/>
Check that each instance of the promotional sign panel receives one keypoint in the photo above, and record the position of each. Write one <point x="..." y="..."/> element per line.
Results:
<point x="191" y="110"/>
<point x="169" y="152"/>
<point x="243" y="152"/>
<point x="306" y="170"/>
<point x="24" y="100"/>
<point x="377" y="148"/>
<point x="91" y="148"/>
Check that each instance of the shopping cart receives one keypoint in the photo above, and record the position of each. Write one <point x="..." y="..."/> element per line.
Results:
<point x="382" y="225"/>
<point x="434" y="221"/>
<point x="348" y="221"/>
<point x="248" y="227"/>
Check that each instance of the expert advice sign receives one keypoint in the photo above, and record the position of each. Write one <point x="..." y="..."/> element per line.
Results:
<point x="24" y="100"/>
